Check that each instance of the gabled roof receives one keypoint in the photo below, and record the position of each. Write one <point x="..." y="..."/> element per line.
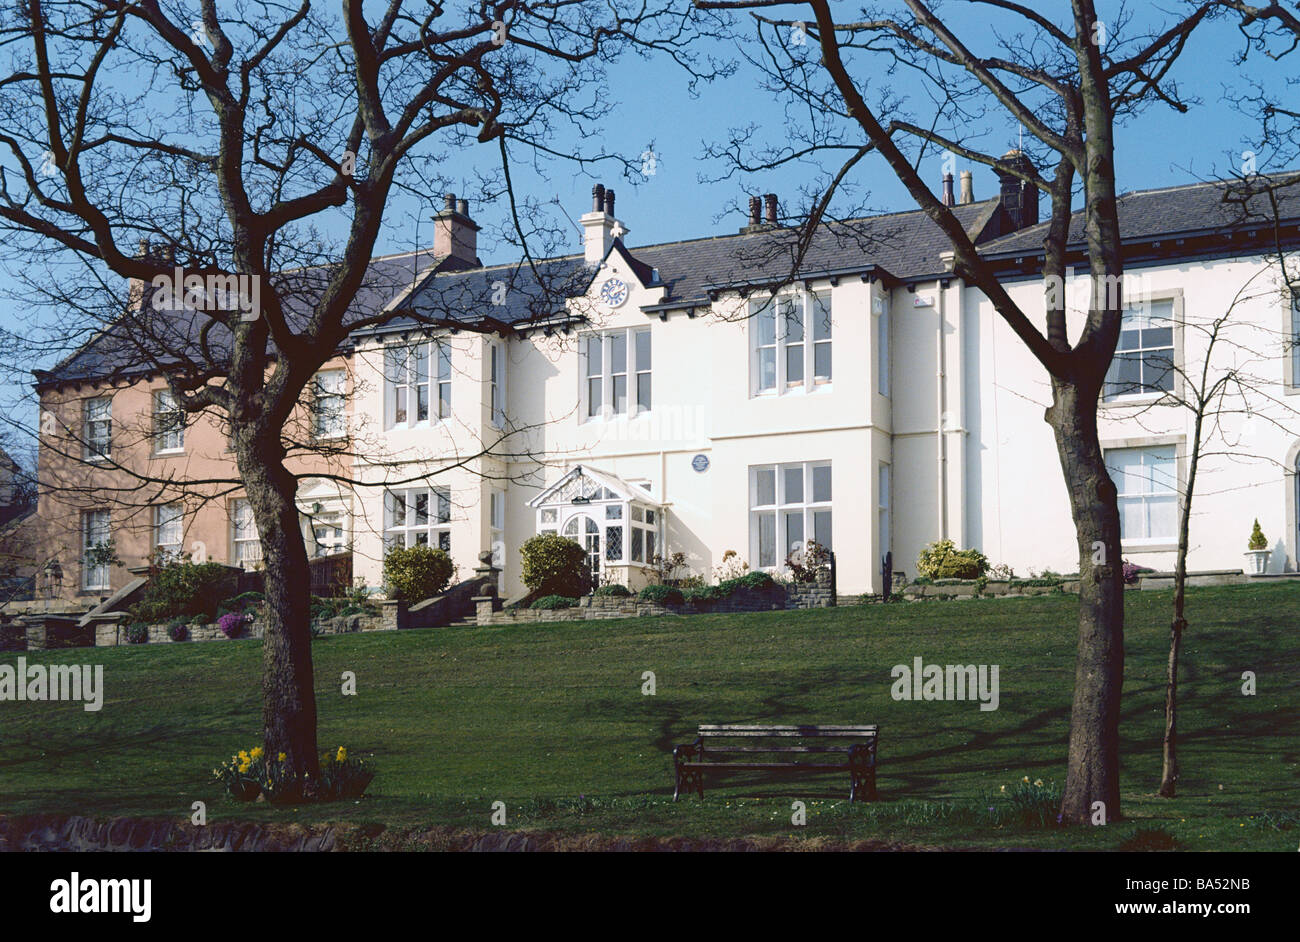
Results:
<point x="592" y="484"/>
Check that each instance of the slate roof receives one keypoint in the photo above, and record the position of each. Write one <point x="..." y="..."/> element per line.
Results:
<point x="1168" y="212"/>
<point x="899" y="247"/>
<point x="137" y="343"/>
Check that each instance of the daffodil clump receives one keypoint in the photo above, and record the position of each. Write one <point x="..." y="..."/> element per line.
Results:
<point x="250" y="773"/>
<point x="1035" y="802"/>
<point x="343" y="776"/>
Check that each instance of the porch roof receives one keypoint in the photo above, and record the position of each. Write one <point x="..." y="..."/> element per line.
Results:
<point x="591" y="483"/>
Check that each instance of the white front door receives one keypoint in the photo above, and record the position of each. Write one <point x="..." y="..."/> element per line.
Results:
<point x="586" y="533"/>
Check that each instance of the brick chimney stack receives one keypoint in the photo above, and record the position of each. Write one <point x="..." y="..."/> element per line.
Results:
<point x="769" y="203"/>
<point x="1019" y="198"/>
<point x="455" y="235"/>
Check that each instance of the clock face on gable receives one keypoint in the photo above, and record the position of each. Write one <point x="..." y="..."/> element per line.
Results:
<point x="613" y="292"/>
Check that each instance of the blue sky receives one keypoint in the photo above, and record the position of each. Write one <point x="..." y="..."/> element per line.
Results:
<point x="1160" y="149"/>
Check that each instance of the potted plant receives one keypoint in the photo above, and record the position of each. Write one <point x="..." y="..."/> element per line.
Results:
<point x="1258" y="550"/>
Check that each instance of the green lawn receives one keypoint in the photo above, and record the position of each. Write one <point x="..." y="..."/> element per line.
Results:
<point x="552" y="721"/>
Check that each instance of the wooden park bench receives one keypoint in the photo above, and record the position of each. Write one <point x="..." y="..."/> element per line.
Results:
<point x="731" y="748"/>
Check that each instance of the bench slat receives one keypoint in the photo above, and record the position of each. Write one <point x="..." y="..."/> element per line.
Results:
<point x="712" y="749"/>
<point x="836" y="766"/>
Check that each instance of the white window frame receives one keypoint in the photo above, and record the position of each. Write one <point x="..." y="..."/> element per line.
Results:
<point x="784" y="506"/>
<point x="808" y="304"/>
<point x="1143" y="308"/>
<point x="403" y="383"/>
<point x="169" y="530"/>
<point x="604" y="377"/>
<point x="405" y="502"/>
<point x="497" y="527"/>
<point x="98" y="430"/>
<point x="1146" y="498"/>
<point x="96" y="526"/>
<point x="329" y="416"/>
<point x="497" y="383"/>
<point x="245" y="541"/>
<point x="168" y="424"/>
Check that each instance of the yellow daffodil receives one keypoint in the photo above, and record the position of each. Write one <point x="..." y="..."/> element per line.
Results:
<point x="1025" y="779"/>
<point x="342" y="755"/>
<point x="283" y="756"/>
<point x="1038" y="783"/>
<point x="257" y="752"/>
<point x="1003" y="788"/>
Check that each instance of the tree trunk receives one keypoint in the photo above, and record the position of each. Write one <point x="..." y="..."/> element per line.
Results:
<point x="1169" y="770"/>
<point x="1093" y="767"/>
<point x="288" y="694"/>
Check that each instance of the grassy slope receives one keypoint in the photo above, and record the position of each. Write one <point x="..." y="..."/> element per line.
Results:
<point x="539" y="716"/>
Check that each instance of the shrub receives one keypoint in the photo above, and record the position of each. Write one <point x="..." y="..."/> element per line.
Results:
<point x="1132" y="571"/>
<point x="942" y="560"/>
<point x="184" y="588"/>
<point x="416" y="573"/>
<point x="179" y="632"/>
<point x="137" y="633"/>
<point x="244" y="604"/>
<point x="555" y="565"/>
<point x="550" y="602"/>
<point x="703" y="594"/>
<point x="1258" y="541"/>
<point x="1001" y="573"/>
<point x="750" y="582"/>
<point x="619" y="591"/>
<point x="232" y="625"/>
<point x="662" y="594"/>
<point x="807" y="564"/>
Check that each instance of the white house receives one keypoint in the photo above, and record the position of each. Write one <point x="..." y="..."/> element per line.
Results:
<point x="875" y="403"/>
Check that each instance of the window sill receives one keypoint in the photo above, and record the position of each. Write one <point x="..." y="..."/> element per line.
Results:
<point x="1144" y="399"/>
<point x="167" y="452"/>
<point x="1159" y="546"/>
<point x="814" y="390"/>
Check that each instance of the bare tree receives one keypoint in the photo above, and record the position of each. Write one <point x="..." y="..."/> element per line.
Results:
<point x="238" y="141"/>
<point x="1067" y="85"/>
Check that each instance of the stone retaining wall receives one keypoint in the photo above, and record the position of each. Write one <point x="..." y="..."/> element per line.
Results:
<point x="108" y="634"/>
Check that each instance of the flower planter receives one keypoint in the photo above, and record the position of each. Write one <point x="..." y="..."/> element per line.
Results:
<point x="1257" y="561"/>
<point x="357" y="786"/>
<point x="245" y="791"/>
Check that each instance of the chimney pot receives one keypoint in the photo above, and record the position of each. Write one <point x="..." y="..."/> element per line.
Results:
<point x="769" y="200"/>
<point x="609" y="202"/>
<point x="598" y="198"/>
<point x="755" y="211"/>
<point x="450" y="205"/>
<point x="947" y="189"/>
<point x="967" y="187"/>
<point x="462" y="207"/>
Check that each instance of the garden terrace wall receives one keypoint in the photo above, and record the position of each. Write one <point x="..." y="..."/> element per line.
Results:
<point x="108" y="634"/>
<point x="972" y="588"/>
<point x="777" y="599"/>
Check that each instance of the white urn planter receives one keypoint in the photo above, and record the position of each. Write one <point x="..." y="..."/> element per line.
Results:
<point x="1258" y="561"/>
